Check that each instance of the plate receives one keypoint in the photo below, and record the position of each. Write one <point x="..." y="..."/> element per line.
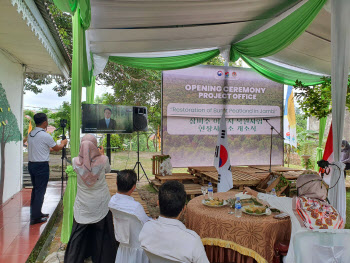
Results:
<point x="267" y="211"/>
<point x="205" y="203"/>
<point x="243" y="196"/>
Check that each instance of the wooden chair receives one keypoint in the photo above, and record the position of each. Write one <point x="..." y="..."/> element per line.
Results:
<point x="156" y="162"/>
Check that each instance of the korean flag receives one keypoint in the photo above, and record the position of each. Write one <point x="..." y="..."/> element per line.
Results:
<point x="222" y="158"/>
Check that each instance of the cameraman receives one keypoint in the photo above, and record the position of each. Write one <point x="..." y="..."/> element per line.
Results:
<point x="345" y="155"/>
<point x="40" y="144"/>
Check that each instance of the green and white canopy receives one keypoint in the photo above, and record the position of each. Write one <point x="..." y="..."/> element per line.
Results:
<point x="283" y="40"/>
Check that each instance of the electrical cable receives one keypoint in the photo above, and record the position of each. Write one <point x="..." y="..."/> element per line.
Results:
<point x="338" y="177"/>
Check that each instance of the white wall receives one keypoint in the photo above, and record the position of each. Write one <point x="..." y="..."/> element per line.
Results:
<point x="11" y="78"/>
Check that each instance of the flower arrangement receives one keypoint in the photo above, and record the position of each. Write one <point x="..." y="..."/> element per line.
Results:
<point x="165" y="167"/>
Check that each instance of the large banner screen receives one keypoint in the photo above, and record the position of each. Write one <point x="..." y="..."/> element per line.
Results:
<point x="192" y="107"/>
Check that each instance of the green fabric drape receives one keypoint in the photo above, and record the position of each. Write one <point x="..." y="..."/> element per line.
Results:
<point x="68" y="6"/>
<point x="68" y="203"/>
<point x="85" y="13"/>
<point x="167" y="63"/>
<point x="280" y="74"/>
<point x="280" y="35"/>
<point x="86" y="75"/>
<point x="77" y="63"/>
<point x="90" y="91"/>
<point x="319" y="150"/>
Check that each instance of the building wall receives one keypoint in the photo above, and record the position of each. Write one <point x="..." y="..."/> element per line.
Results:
<point x="11" y="78"/>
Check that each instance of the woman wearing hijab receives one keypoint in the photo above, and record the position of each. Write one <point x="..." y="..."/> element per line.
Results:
<point x="307" y="210"/>
<point x="92" y="231"/>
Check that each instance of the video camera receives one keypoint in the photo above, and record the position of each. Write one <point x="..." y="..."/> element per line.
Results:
<point x="63" y="123"/>
<point x="323" y="164"/>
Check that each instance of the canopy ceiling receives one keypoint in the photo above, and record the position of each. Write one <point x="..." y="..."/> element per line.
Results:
<point x="25" y="38"/>
<point x="128" y="28"/>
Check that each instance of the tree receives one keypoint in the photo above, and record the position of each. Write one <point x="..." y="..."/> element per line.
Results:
<point x="64" y="24"/>
<point x="62" y="113"/>
<point x="134" y="87"/>
<point x="220" y="61"/>
<point x="9" y="132"/>
<point x="316" y="101"/>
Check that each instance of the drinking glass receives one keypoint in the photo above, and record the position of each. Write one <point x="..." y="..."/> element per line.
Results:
<point x="232" y="206"/>
<point x="204" y="191"/>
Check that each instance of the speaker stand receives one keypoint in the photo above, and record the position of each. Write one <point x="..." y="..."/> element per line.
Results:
<point x="138" y="163"/>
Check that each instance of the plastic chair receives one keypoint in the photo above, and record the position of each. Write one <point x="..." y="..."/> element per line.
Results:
<point x="322" y="246"/>
<point x="158" y="259"/>
<point x="127" y="229"/>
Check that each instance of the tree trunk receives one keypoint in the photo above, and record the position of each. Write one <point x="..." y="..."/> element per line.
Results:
<point x="147" y="142"/>
<point x="2" y="173"/>
<point x="155" y="143"/>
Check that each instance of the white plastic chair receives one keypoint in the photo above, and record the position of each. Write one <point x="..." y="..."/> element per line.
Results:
<point x="158" y="259"/>
<point x="322" y="246"/>
<point x="127" y="229"/>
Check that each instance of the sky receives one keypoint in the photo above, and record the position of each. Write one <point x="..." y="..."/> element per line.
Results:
<point x="49" y="98"/>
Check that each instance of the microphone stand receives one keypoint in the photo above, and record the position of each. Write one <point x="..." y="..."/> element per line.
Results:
<point x="272" y="129"/>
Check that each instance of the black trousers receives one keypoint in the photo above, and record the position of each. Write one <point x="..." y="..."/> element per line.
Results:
<point x="39" y="174"/>
<point x="95" y="240"/>
<point x="347" y="167"/>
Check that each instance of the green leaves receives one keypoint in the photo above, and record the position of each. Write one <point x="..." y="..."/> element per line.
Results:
<point x="316" y="101"/>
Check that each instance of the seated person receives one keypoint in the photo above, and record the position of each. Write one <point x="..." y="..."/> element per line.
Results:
<point x="167" y="237"/>
<point x="107" y="123"/>
<point x="308" y="210"/>
<point x="345" y="155"/>
<point x="122" y="200"/>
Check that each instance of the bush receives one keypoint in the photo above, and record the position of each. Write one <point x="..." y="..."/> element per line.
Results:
<point x="116" y="142"/>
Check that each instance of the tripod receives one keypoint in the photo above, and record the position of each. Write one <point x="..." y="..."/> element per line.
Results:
<point x="272" y="129"/>
<point x="138" y="163"/>
<point x="63" y="124"/>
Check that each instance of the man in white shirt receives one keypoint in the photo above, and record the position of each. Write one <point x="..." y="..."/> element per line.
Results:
<point x="167" y="237"/>
<point x="40" y="143"/>
<point x="122" y="200"/>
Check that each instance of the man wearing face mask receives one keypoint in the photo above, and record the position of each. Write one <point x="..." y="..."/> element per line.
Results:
<point x="345" y="155"/>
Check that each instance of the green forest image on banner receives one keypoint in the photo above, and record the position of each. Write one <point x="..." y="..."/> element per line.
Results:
<point x="193" y="102"/>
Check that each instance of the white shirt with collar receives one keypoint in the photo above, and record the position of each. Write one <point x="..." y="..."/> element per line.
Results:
<point x="169" y="238"/>
<point x="39" y="144"/>
<point x="108" y="121"/>
<point x="127" y="204"/>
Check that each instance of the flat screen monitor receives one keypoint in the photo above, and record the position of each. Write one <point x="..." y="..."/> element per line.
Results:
<point x="101" y="118"/>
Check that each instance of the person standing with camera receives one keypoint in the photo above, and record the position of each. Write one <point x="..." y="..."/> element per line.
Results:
<point x="40" y="143"/>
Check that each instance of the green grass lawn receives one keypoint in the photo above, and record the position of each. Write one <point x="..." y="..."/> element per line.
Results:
<point x="127" y="160"/>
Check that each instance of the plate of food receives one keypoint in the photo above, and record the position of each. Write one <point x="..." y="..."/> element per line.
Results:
<point x="256" y="210"/>
<point x="214" y="202"/>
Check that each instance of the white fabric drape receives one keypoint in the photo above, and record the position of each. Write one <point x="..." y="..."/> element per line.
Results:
<point x="340" y="68"/>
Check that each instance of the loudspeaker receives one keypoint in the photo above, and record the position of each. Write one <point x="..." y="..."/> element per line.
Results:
<point x="140" y="118"/>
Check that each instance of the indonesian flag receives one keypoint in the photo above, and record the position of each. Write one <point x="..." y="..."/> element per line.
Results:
<point x="222" y="158"/>
<point x="328" y="155"/>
